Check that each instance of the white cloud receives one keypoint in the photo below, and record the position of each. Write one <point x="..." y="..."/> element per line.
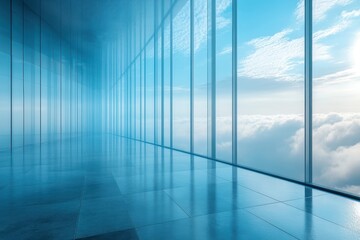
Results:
<point x="336" y="145"/>
<point x="351" y="14"/>
<point x="200" y="24"/>
<point x="221" y="7"/>
<point x="347" y="75"/>
<point x="181" y="29"/>
<point x="336" y="150"/>
<point x="181" y="25"/>
<point x="277" y="57"/>
<point x="324" y="33"/>
<point x="322" y="51"/>
<point x="299" y="12"/>
<point x="225" y="51"/>
<point x="250" y="126"/>
<point x="275" y="143"/>
<point x="320" y="8"/>
<point x="274" y="57"/>
<point x="336" y="154"/>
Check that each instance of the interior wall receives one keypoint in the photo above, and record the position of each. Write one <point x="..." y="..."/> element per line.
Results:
<point x="47" y="83"/>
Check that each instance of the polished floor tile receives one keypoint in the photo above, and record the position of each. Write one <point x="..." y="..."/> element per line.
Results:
<point x="337" y="209"/>
<point x="102" y="215"/>
<point x="212" y="198"/>
<point x="103" y="187"/>
<point x="45" y="221"/>
<point x="283" y="191"/>
<point x="39" y="194"/>
<point x="107" y="187"/>
<point x="148" y="208"/>
<point x="129" y="234"/>
<point x="301" y="224"/>
<point x="227" y="225"/>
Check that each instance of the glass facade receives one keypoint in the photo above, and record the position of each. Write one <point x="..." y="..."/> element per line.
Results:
<point x="271" y="86"/>
<point x="228" y="80"/>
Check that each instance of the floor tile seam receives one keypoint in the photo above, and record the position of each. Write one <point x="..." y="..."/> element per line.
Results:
<point x="301" y="198"/>
<point x="320" y="218"/>
<point x="199" y="216"/>
<point x="161" y="223"/>
<point x="116" y="182"/>
<point x="127" y="195"/>
<point x="27" y="205"/>
<point x="271" y="224"/>
<point x="263" y="194"/>
<point x="138" y="192"/>
<point x="97" y="197"/>
<point x="278" y="200"/>
<point x="327" y="220"/>
<point x="80" y="207"/>
<point x="232" y="210"/>
<point x="31" y="205"/>
<point x="127" y="229"/>
<point x="230" y="200"/>
<point x="228" y="182"/>
<point x="33" y="184"/>
<point x="177" y="204"/>
<point x="167" y="172"/>
<point x="259" y="205"/>
<point x="102" y="233"/>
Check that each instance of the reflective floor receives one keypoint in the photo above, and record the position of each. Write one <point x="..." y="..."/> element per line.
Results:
<point x="106" y="187"/>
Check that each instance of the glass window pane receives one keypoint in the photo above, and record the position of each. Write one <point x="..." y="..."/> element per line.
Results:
<point x="181" y="90"/>
<point x="336" y="95"/>
<point x="167" y="82"/>
<point x="224" y="80"/>
<point x="150" y="91"/>
<point x="5" y="83"/>
<point x="200" y="76"/>
<point x="271" y="86"/>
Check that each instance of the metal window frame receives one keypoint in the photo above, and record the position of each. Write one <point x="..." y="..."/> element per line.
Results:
<point x="234" y="83"/>
<point x="308" y="92"/>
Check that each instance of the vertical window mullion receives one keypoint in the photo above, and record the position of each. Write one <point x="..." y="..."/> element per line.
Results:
<point x="308" y="91"/>
<point x="234" y="82"/>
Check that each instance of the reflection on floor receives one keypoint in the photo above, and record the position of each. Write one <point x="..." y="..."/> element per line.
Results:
<point x="111" y="188"/>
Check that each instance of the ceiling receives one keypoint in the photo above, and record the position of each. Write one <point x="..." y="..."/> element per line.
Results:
<point x="94" y="20"/>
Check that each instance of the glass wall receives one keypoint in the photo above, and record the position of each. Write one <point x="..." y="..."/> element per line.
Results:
<point x="193" y="53"/>
<point x="5" y="75"/>
<point x="46" y="81"/>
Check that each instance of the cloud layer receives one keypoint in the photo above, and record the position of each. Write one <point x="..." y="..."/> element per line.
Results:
<point x="274" y="57"/>
<point x="276" y="144"/>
